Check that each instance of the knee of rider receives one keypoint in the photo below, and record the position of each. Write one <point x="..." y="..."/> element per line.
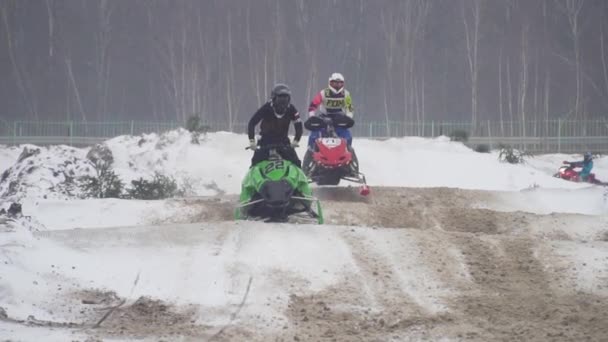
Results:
<point x="313" y="136"/>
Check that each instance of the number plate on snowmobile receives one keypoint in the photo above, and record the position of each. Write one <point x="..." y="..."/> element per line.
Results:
<point x="331" y="142"/>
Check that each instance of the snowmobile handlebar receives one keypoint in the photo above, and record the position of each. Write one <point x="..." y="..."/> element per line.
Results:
<point x="270" y="147"/>
<point x="336" y="120"/>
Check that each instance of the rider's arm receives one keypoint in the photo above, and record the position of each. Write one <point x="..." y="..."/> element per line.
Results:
<point x="298" y="126"/>
<point x="297" y="123"/>
<point x="348" y="105"/>
<point x="255" y="119"/>
<point x="315" y="103"/>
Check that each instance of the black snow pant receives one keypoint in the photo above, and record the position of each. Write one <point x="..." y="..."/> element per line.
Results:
<point x="287" y="153"/>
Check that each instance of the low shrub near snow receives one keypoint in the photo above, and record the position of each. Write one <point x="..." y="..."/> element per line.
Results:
<point x="196" y="128"/>
<point x="510" y="155"/>
<point x="459" y="135"/>
<point x="482" y="148"/>
<point x="106" y="184"/>
<point x="159" y="187"/>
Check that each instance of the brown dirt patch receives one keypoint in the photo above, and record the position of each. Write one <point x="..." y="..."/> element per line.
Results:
<point x="515" y="297"/>
<point x="149" y="317"/>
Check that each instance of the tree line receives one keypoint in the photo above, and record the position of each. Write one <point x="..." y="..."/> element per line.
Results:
<point x="403" y="60"/>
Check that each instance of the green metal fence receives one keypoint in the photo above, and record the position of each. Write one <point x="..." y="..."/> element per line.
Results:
<point x="371" y="129"/>
<point x="540" y="135"/>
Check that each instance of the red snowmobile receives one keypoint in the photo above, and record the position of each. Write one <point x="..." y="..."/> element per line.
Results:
<point x="568" y="173"/>
<point x="332" y="159"/>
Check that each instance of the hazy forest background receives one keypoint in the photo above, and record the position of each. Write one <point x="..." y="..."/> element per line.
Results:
<point x="403" y="60"/>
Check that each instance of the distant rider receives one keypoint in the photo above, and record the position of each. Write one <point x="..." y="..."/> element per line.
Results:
<point x="275" y="117"/>
<point x="333" y="100"/>
<point x="330" y="102"/>
<point x="586" y="164"/>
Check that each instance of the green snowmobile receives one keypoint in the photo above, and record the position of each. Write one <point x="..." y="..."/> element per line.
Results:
<point x="275" y="190"/>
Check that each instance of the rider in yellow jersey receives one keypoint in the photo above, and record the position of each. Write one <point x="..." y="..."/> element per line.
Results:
<point x="331" y="101"/>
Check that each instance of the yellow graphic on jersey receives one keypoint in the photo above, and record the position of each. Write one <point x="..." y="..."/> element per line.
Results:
<point x="334" y="103"/>
<point x="345" y="103"/>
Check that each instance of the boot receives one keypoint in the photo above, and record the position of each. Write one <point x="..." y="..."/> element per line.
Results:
<point x="307" y="162"/>
<point x="354" y="164"/>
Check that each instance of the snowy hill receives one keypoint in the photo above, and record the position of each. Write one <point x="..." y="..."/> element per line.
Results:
<point x="218" y="164"/>
<point x="451" y="245"/>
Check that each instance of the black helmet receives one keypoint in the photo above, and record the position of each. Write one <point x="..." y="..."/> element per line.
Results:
<point x="280" y="98"/>
<point x="280" y="89"/>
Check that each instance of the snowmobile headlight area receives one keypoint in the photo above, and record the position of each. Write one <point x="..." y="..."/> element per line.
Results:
<point x="276" y="193"/>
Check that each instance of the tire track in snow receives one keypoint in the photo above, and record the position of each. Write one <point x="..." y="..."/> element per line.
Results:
<point x="380" y="276"/>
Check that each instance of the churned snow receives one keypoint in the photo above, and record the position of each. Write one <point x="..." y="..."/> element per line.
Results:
<point x="212" y="263"/>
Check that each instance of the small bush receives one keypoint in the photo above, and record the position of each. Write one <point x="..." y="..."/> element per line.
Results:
<point x="100" y="154"/>
<point x="188" y="186"/>
<point x="194" y="126"/>
<point x="159" y="187"/>
<point x="459" y="135"/>
<point x="105" y="184"/>
<point x="510" y="155"/>
<point x="193" y="123"/>
<point x="482" y="148"/>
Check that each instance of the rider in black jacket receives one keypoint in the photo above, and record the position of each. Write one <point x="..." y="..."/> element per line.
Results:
<point x="275" y="117"/>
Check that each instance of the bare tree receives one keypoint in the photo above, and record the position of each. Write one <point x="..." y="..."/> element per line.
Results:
<point x="389" y="25"/>
<point x="72" y="80"/>
<point x="523" y="80"/>
<point x="304" y="21"/>
<point x="603" y="48"/>
<point x="547" y="69"/>
<point x="413" y="21"/>
<point x="230" y="77"/>
<point x="202" y="88"/>
<point x="500" y="95"/>
<point x="278" y="36"/>
<point x="510" y="96"/>
<point x="28" y="98"/>
<point x="178" y="51"/>
<point x="572" y="9"/>
<point x="49" y="8"/>
<point x="178" y="58"/>
<point x="102" y="55"/>
<point x="547" y="99"/>
<point x="536" y="80"/>
<point x="253" y="71"/>
<point x="471" y="15"/>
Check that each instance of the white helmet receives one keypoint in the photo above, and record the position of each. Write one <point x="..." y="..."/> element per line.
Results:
<point x="336" y="82"/>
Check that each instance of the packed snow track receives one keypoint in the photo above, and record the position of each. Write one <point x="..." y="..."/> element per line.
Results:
<point x="405" y="264"/>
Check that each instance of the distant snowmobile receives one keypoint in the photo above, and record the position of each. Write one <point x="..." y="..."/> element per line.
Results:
<point x="274" y="190"/>
<point x="332" y="159"/>
<point x="568" y="173"/>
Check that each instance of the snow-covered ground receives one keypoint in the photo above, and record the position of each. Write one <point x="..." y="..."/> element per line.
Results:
<point x="220" y="161"/>
<point x="452" y="245"/>
<point x="218" y="164"/>
<point x="8" y="156"/>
